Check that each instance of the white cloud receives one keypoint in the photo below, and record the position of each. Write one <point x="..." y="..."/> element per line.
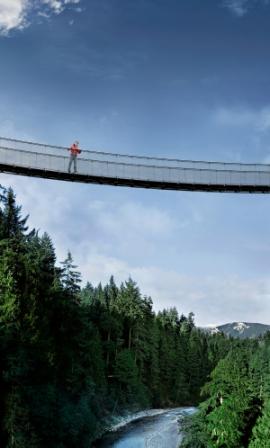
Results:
<point x="14" y="14"/>
<point x="218" y="299"/>
<point x="58" y="6"/>
<point x="259" y="120"/>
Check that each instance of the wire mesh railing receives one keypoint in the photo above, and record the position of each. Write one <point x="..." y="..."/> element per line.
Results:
<point x="98" y="164"/>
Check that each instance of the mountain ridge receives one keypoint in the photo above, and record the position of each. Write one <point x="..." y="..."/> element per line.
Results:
<point x="241" y="330"/>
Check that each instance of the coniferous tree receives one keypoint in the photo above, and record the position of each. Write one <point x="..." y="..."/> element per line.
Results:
<point x="71" y="356"/>
<point x="70" y="277"/>
<point x="13" y="225"/>
<point x="261" y="430"/>
<point x="128" y="304"/>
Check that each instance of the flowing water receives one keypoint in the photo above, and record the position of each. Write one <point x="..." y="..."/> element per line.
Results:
<point x="158" y="431"/>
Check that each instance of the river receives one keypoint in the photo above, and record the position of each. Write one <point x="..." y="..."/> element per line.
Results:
<point x="158" y="431"/>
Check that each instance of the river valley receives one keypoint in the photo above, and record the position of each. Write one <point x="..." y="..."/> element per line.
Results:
<point x="158" y="431"/>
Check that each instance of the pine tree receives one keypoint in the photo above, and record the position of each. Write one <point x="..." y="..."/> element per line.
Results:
<point x="110" y="321"/>
<point x="261" y="431"/>
<point x="13" y="225"/>
<point x="129" y="305"/>
<point x="87" y="294"/>
<point x="152" y="362"/>
<point x="127" y="374"/>
<point x="70" y="277"/>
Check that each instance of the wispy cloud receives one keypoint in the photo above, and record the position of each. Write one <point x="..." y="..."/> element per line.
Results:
<point x="58" y="6"/>
<point x="259" y="119"/>
<point x="241" y="7"/>
<point x="237" y="7"/>
<point x="14" y="14"/>
<point x="112" y="66"/>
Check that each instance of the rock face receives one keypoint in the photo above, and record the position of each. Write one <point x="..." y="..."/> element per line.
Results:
<point x="240" y="330"/>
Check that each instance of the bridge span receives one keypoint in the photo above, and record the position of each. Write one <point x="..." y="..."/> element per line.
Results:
<point x="51" y="162"/>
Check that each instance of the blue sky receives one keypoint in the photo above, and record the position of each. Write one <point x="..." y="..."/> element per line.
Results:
<point x="181" y="78"/>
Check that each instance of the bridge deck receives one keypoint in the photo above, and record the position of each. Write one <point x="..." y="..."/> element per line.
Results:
<point x="46" y="161"/>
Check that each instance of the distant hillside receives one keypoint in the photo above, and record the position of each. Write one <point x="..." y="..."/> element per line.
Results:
<point x="240" y="330"/>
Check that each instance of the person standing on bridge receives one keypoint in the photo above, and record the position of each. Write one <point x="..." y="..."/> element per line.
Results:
<point x="74" y="151"/>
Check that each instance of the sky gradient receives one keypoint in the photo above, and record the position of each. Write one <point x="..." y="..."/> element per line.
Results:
<point x="186" y="79"/>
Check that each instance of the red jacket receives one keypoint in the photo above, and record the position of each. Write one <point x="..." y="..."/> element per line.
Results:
<point x="74" y="149"/>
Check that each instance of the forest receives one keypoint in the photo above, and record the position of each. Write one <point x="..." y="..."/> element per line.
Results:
<point x="72" y="357"/>
<point x="235" y="411"/>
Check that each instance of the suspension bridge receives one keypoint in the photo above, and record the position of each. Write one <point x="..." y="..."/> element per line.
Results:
<point x="51" y="162"/>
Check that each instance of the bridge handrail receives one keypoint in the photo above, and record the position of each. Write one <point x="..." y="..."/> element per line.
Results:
<point x="137" y="165"/>
<point x="160" y="159"/>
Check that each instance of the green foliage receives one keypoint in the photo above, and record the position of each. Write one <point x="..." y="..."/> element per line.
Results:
<point x="70" y="277"/>
<point x="12" y="224"/>
<point x="236" y="412"/>
<point x="194" y="431"/>
<point x="261" y="431"/>
<point x="72" y="356"/>
<point x="127" y="373"/>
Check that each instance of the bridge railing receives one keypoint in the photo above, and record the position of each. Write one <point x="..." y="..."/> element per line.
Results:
<point x="56" y="159"/>
<point x="131" y="159"/>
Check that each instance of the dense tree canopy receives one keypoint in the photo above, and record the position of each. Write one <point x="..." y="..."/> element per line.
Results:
<point x="236" y="410"/>
<point x="72" y="356"/>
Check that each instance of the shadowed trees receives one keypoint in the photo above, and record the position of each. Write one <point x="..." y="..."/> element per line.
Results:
<point x="71" y="356"/>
